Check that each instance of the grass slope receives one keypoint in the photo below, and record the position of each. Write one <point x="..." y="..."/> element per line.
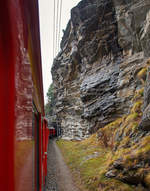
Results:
<point x="89" y="161"/>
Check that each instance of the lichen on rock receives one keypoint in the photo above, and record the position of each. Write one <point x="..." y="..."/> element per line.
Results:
<point x="101" y="64"/>
<point x="101" y="80"/>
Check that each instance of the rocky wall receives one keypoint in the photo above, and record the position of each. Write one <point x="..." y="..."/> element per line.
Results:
<point x="96" y="73"/>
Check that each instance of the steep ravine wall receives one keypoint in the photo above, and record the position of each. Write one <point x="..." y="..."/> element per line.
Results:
<point x="106" y="43"/>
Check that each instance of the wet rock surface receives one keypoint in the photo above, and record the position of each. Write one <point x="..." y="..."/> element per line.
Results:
<point x="145" y="122"/>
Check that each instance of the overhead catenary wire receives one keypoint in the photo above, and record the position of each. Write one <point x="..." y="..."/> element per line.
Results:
<point x="57" y="22"/>
<point x="57" y="26"/>
<point x="60" y="15"/>
<point x="54" y="32"/>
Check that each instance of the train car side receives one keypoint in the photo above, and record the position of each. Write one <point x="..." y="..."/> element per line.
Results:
<point x="23" y="126"/>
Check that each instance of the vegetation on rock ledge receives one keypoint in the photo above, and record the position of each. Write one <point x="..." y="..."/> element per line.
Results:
<point x="88" y="162"/>
<point x="111" y="158"/>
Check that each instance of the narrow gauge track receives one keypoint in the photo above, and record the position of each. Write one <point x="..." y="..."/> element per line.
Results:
<point x="58" y="175"/>
<point x="51" y="183"/>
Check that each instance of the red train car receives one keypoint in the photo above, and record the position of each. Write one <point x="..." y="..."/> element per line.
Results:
<point x="23" y="131"/>
<point x="52" y="132"/>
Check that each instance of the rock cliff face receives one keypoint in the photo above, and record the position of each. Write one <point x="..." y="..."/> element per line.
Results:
<point x="105" y="45"/>
<point x="101" y="81"/>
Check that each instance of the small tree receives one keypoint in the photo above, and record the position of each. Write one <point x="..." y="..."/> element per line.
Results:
<point x="50" y="97"/>
<point x="50" y="93"/>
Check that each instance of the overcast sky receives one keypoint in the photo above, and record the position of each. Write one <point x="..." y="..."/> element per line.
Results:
<point x="46" y="9"/>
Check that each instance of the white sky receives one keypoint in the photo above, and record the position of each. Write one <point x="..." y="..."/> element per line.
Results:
<point x="46" y="28"/>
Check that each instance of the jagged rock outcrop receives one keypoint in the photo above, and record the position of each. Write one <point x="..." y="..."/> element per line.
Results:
<point x="101" y="81"/>
<point x="105" y="44"/>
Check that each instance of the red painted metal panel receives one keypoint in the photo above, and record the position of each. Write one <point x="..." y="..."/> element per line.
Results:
<point x="7" y="98"/>
<point x="35" y="151"/>
<point x="31" y="20"/>
<point x="16" y="133"/>
<point x="43" y="154"/>
<point x="45" y="135"/>
<point x="24" y="139"/>
<point x="40" y="153"/>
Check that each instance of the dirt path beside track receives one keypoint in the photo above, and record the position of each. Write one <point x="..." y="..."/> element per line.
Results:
<point x="59" y="177"/>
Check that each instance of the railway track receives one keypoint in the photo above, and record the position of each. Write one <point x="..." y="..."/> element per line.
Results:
<point x="58" y="176"/>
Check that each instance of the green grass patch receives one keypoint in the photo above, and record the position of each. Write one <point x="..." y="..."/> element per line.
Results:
<point x="90" y="159"/>
<point x="89" y="162"/>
